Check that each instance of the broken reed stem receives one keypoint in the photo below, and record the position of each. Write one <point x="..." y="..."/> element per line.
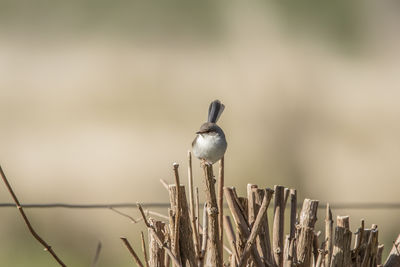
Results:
<point x="28" y="224"/>
<point x="231" y="236"/>
<point x="221" y="203"/>
<point x="278" y="227"/>
<point x="205" y="235"/>
<point x="157" y="238"/>
<point x="328" y="236"/>
<point x="193" y="217"/>
<point x="198" y="212"/>
<point x="164" y="183"/>
<point x="133" y="253"/>
<point x="256" y="228"/>
<point x="175" y="241"/>
<point x="393" y="259"/>
<point x="146" y="259"/>
<point x="213" y="255"/>
<point x="341" y="254"/>
<point x="293" y="212"/>
<point x="307" y="219"/>
<point x="124" y="214"/>
<point x="96" y="255"/>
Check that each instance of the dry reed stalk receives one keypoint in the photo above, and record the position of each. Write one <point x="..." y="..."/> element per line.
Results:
<point x="205" y="235"/>
<point x="213" y="254"/>
<point x="46" y="246"/>
<point x="152" y="232"/>
<point x="96" y="255"/>
<point x="379" y="254"/>
<point x="242" y="227"/>
<point x="293" y="212"/>
<point x="328" y="236"/>
<point x="372" y="248"/>
<point x="133" y="253"/>
<point x="341" y="255"/>
<point x="278" y="227"/>
<point x="231" y="238"/>
<point x="198" y="212"/>
<point x="393" y="260"/>
<point x="175" y="239"/>
<point x="164" y="183"/>
<point x="193" y="217"/>
<point x="156" y="252"/>
<point x="258" y="225"/>
<point x="185" y="241"/>
<point x="307" y="219"/>
<point x="144" y="250"/>
<point x="221" y="175"/>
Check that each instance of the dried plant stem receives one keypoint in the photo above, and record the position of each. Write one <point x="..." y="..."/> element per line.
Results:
<point x="308" y="217"/>
<point x="341" y="255"/>
<point x="135" y="256"/>
<point x="328" y="236"/>
<point x="198" y="212"/>
<point x="256" y="228"/>
<point x="213" y="255"/>
<point x="193" y="217"/>
<point x="278" y="227"/>
<point x="231" y="237"/>
<point x="164" y="183"/>
<point x="393" y="259"/>
<point x="205" y="235"/>
<point x="28" y="224"/>
<point x="146" y="259"/>
<point x="221" y="202"/>
<point x="96" y="255"/>
<point x="157" y="238"/>
<point x="175" y="240"/>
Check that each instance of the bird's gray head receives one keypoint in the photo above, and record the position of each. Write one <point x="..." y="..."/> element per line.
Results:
<point x="210" y="128"/>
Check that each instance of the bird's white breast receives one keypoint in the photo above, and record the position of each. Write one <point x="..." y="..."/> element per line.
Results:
<point x="210" y="147"/>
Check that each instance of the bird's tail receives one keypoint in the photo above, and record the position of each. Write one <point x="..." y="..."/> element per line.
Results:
<point x="215" y="111"/>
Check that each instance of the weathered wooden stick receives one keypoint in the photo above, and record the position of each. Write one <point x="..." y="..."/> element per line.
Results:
<point x="205" y="235"/>
<point x="213" y="254"/>
<point x="372" y="248"/>
<point x="156" y="252"/>
<point x="193" y="217"/>
<point x="241" y="224"/>
<point x="289" y="252"/>
<point x="341" y="255"/>
<point x="316" y="245"/>
<point x="185" y="242"/>
<point x="152" y="231"/>
<point x="278" y="228"/>
<point x="308" y="217"/>
<point x="133" y="253"/>
<point x="221" y="175"/>
<point x="144" y="249"/>
<point x="359" y="239"/>
<point x="393" y="260"/>
<point x="198" y="212"/>
<point x="379" y="254"/>
<point x="293" y="212"/>
<point x="231" y="238"/>
<point x="175" y="240"/>
<point x="258" y="224"/>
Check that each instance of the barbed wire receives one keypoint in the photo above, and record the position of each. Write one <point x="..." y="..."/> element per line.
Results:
<point x="347" y="205"/>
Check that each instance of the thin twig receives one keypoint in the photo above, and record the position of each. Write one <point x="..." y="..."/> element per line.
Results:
<point x="28" y="224"/>
<point x="135" y="256"/>
<point x="256" y="229"/>
<point x="96" y="255"/>
<point x="175" y="243"/>
<point x="205" y="234"/>
<point x="221" y="202"/>
<point x="146" y="259"/>
<point x="192" y="209"/>
<point x="164" y="183"/>
<point x="157" y="238"/>
<point x="197" y="210"/>
<point x="157" y="214"/>
<point x="124" y="214"/>
<point x="231" y="236"/>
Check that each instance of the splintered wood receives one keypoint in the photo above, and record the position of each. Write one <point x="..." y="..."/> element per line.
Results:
<point x="288" y="240"/>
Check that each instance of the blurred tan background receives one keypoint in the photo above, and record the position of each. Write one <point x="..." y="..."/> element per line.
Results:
<point x="98" y="99"/>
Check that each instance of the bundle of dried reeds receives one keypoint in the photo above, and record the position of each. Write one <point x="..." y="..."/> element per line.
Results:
<point x="184" y="241"/>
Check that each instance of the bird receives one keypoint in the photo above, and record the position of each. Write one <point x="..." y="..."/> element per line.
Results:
<point x="210" y="143"/>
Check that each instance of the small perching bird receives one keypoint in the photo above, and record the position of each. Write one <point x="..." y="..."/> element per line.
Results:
<point x="210" y="143"/>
